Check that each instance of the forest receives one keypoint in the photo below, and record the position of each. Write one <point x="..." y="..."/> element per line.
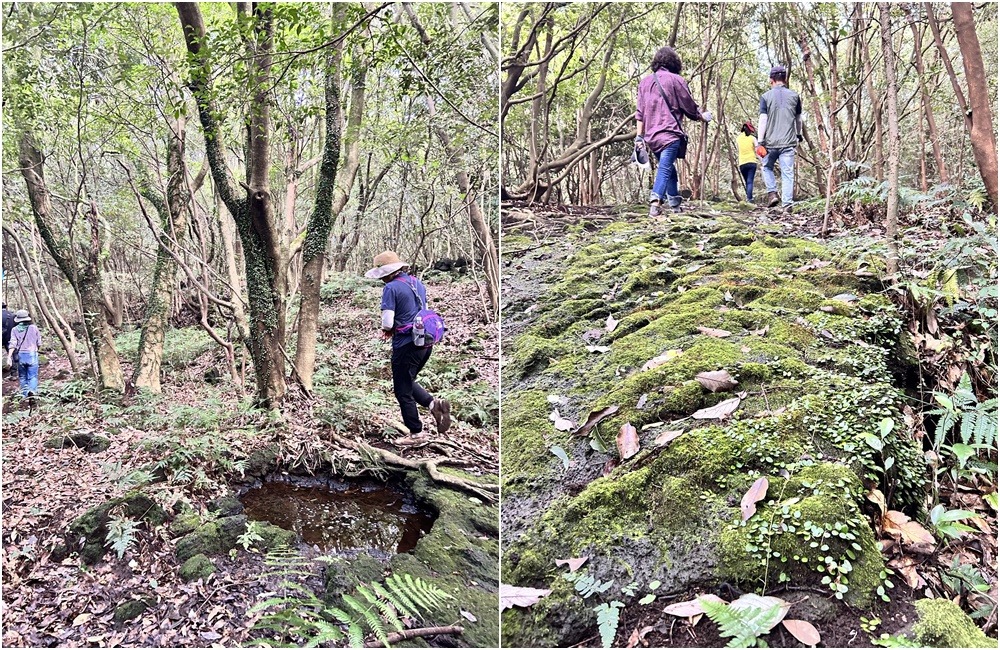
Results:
<point x="726" y="423"/>
<point x="192" y="193"/>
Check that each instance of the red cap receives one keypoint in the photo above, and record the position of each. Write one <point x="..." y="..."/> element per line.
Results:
<point x="750" y="126"/>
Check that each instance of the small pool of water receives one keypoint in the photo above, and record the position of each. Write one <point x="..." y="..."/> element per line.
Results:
<point x="342" y="517"/>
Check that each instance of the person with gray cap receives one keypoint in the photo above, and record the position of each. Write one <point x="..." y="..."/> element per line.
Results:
<point x="402" y="298"/>
<point x="779" y="129"/>
<point x="25" y="340"/>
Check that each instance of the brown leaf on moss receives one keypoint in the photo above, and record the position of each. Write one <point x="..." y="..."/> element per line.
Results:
<point x="716" y="380"/>
<point x="757" y="491"/>
<point x="717" y="412"/>
<point x="717" y="333"/>
<point x="594" y="419"/>
<point x="628" y="441"/>
<point x="658" y="361"/>
<point x="573" y="563"/>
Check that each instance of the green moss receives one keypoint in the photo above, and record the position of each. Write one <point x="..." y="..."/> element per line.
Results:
<point x="205" y="540"/>
<point x="184" y="524"/>
<point x="532" y="353"/>
<point x="129" y="610"/>
<point x="92" y="526"/>
<point x="791" y="299"/>
<point x="523" y="423"/>
<point x="196" y="567"/>
<point x="809" y="529"/>
<point x="943" y="624"/>
<point x="275" y="536"/>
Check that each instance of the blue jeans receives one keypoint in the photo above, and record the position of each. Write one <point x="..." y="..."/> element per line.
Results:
<point x="748" y="171"/>
<point x="27" y="372"/>
<point x="786" y="159"/>
<point x="665" y="185"/>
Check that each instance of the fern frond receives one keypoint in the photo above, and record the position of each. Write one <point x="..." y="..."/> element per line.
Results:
<point x="400" y="596"/>
<point x="369" y="615"/>
<point x="327" y="633"/>
<point x="401" y="604"/>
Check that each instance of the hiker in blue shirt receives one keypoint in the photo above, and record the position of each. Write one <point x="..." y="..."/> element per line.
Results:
<point x="400" y="306"/>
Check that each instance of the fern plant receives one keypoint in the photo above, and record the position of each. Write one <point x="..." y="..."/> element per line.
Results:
<point x="745" y="626"/>
<point x="607" y="621"/>
<point x="121" y="534"/>
<point x="976" y="421"/>
<point x="301" y="619"/>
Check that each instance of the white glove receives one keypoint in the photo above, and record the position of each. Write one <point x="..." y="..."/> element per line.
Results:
<point x="707" y="116"/>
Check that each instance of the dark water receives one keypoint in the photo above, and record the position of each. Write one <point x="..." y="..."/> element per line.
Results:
<point x="356" y="517"/>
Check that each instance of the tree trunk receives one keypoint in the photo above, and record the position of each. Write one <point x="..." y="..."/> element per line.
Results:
<point x="925" y="101"/>
<point x="321" y="220"/>
<point x="254" y="214"/>
<point x="86" y="281"/>
<point x="876" y="111"/>
<point x="984" y="147"/>
<point x="173" y="217"/>
<point x="892" y="114"/>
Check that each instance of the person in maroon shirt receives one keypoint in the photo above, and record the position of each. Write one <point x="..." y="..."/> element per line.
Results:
<point x="663" y="100"/>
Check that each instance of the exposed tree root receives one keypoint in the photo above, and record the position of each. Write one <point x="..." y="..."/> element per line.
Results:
<point x="486" y="491"/>
<point x="417" y="632"/>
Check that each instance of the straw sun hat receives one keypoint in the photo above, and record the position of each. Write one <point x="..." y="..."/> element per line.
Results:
<point x="386" y="262"/>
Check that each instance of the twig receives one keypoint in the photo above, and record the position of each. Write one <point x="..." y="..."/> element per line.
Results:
<point x="416" y="632"/>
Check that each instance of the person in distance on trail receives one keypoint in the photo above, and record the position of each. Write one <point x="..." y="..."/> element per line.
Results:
<point x="8" y="325"/>
<point x="746" y="144"/>
<point x="25" y="340"/>
<point x="403" y="296"/>
<point x="780" y="129"/>
<point x="664" y="99"/>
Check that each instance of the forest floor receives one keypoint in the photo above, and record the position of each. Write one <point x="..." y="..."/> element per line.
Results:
<point x="590" y="294"/>
<point x="200" y="441"/>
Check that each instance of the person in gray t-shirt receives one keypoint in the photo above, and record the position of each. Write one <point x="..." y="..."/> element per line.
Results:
<point x="780" y="129"/>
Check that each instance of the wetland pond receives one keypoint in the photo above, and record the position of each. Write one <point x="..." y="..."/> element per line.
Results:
<point x="341" y="517"/>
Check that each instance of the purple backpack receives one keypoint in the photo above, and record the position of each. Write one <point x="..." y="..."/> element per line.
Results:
<point x="428" y="327"/>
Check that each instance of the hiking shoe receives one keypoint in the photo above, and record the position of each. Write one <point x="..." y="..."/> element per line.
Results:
<point x="441" y="410"/>
<point x="654" y="208"/>
<point x="772" y="199"/>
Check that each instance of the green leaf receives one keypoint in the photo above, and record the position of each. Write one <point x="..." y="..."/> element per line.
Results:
<point x="647" y="599"/>
<point x="561" y="454"/>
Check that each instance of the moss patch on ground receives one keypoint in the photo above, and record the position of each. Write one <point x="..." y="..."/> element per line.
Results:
<point x="816" y="388"/>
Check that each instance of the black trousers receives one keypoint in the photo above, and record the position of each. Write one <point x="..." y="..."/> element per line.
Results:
<point x="407" y="361"/>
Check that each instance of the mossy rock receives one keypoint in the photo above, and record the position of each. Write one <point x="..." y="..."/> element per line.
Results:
<point x="89" y="442"/>
<point x="818" y="383"/>
<point x="942" y="624"/>
<point x="196" y="567"/>
<point x="226" y="506"/>
<point x="129" y="610"/>
<point x="92" y="526"/>
<point x="230" y="529"/>
<point x="275" y="536"/>
<point x="342" y="575"/>
<point x="260" y="462"/>
<point x="184" y="524"/>
<point x="205" y="540"/>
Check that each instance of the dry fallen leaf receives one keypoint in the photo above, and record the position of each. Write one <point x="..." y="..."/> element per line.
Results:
<point x="757" y="491"/>
<point x="641" y="404"/>
<point x="611" y="324"/>
<point x="912" y="534"/>
<point x="598" y="349"/>
<point x="628" y="441"/>
<point x="803" y="631"/>
<point x="520" y="596"/>
<point x="656" y="362"/>
<point x="82" y="618"/>
<point x="573" y="563"/>
<point x="717" y="412"/>
<point x="762" y="603"/>
<point x="594" y="418"/>
<point x="468" y="616"/>
<point x="561" y="423"/>
<point x="717" y="333"/>
<point x="690" y="607"/>
<point x="609" y="467"/>
<point x="667" y="436"/>
<point x="876" y="497"/>
<point x="716" y="380"/>
<point x="907" y="567"/>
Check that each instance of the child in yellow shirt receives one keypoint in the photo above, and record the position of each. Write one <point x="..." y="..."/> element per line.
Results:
<point x="746" y="143"/>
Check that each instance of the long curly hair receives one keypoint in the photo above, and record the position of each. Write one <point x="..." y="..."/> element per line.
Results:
<point x="666" y="58"/>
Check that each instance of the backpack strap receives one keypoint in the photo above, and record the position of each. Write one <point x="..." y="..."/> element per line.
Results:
<point x="420" y="302"/>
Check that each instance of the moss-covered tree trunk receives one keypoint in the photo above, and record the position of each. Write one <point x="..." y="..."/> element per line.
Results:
<point x="332" y="192"/>
<point x="173" y="217"/>
<point x="254" y="214"/>
<point x="85" y="278"/>
<point x="892" y="115"/>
